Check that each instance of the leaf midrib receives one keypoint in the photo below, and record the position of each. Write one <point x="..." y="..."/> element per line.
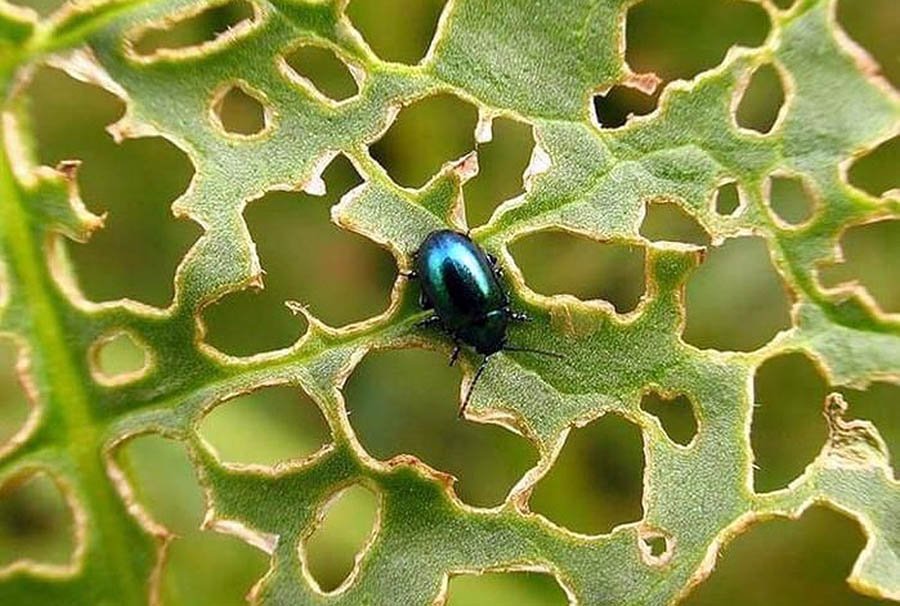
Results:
<point x="63" y="389"/>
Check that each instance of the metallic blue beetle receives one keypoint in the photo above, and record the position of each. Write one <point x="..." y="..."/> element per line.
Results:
<point x="461" y="284"/>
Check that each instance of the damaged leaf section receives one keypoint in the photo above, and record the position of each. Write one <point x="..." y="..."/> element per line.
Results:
<point x="618" y="105"/>
<point x="868" y="255"/>
<point x="676" y="414"/>
<point x="597" y="481"/>
<point x="425" y="135"/>
<point x="667" y="221"/>
<point x="762" y="100"/>
<point x="211" y="568"/>
<point x="787" y="430"/>
<point x="164" y="481"/>
<point x="167" y="490"/>
<point x="854" y="443"/>
<point x="656" y="547"/>
<point x="790" y="200"/>
<point x="811" y="556"/>
<point x="292" y="424"/>
<point x="307" y="258"/>
<point x="193" y="28"/>
<point x="522" y="588"/>
<point x="871" y="172"/>
<point x="396" y="30"/>
<point x="727" y="199"/>
<point x="119" y="358"/>
<point x="421" y="418"/>
<point x="323" y="70"/>
<point x="115" y="182"/>
<point x="239" y="308"/>
<point x="735" y="283"/>
<point x="875" y="404"/>
<point x="660" y="41"/>
<point x="502" y="162"/>
<point x="584" y="268"/>
<point x="346" y="525"/>
<point x="36" y="524"/>
<point x="240" y="110"/>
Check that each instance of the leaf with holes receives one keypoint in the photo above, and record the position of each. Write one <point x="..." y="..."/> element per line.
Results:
<point x="278" y="89"/>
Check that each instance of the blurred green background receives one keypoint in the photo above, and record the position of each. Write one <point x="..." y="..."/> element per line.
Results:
<point x="735" y="301"/>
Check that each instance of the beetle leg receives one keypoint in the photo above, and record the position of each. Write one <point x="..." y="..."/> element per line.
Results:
<point x="517" y="316"/>
<point x="495" y="265"/>
<point x="429" y="322"/>
<point x="455" y="355"/>
<point x="462" y="409"/>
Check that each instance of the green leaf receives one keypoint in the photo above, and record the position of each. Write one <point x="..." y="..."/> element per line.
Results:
<point x="539" y="63"/>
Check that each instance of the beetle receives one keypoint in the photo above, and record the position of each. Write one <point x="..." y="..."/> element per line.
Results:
<point x="462" y="285"/>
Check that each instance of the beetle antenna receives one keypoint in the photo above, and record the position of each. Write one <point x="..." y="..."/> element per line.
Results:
<point x="462" y="409"/>
<point x="542" y="352"/>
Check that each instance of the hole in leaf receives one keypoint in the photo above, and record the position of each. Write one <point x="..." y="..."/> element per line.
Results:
<point x="804" y="561"/>
<point x="225" y="323"/>
<point x="407" y="402"/>
<point x="670" y="222"/>
<point x="14" y="404"/>
<point x="291" y="422"/>
<point x="727" y="199"/>
<point x="655" y="548"/>
<point x="164" y="482"/>
<point x="211" y="568"/>
<point x="556" y="262"/>
<point x="788" y="429"/>
<point x="202" y="567"/>
<point x="762" y="100"/>
<point x="677" y="415"/>
<point x="118" y="358"/>
<point x="350" y="519"/>
<point x="735" y="300"/>
<point x="309" y="259"/>
<point x="789" y="200"/>
<point x="502" y="588"/>
<point x="426" y="135"/>
<point x="878" y="403"/>
<point x="681" y="39"/>
<point x="783" y="4"/>
<point x="195" y="29"/>
<point x="657" y="545"/>
<point x="873" y="25"/>
<point x="396" y="30"/>
<point x="620" y="104"/>
<point x="596" y="483"/>
<point x="876" y="172"/>
<point x="324" y="69"/>
<point x="240" y="112"/>
<point x="35" y="522"/>
<point x="501" y="164"/>
<point x="870" y="255"/>
<point x="115" y="178"/>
